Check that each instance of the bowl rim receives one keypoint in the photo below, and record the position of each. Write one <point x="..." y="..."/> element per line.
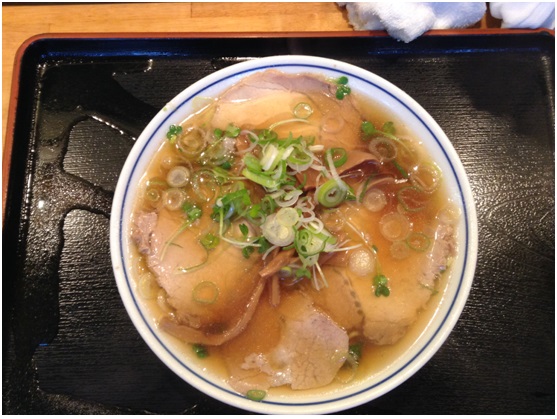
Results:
<point x="160" y="346"/>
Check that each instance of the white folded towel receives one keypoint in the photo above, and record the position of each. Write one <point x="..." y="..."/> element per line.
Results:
<point x="530" y="15"/>
<point x="406" y="21"/>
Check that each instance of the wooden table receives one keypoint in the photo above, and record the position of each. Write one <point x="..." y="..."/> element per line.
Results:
<point x="21" y="22"/>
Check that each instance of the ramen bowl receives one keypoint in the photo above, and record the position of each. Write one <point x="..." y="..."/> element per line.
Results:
<point x="423" y="345"/>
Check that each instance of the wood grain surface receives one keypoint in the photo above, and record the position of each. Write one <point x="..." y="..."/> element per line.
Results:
<point x="21" y="21"/>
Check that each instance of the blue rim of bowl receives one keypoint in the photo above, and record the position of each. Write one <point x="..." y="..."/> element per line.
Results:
<point x="461" y="195"/>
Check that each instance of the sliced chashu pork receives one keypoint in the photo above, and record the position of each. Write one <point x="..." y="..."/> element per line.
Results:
<point x="296" y="345"/>
<point x="272" y="94"/>
<point x="350" y="300"/>
<point x="193" y="277"/>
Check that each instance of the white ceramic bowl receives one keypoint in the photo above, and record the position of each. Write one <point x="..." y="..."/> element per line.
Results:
<point x="419" y="122"/>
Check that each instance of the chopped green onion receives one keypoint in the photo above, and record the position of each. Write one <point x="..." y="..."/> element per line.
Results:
<point x="178" y="177"/>
<point x="399" y="250"/>
<point x="339" y="156"/>
<point x="412" y="199"/>
<point x="331" y="193"/>
<point x="288" y="121"/>
<point x="288" y="216"/>
<point x="426" y="176"/>
<point x="303" y="273"/>
<point x="384" y="148"/>
<point x="266" y="136"/>
<point x="200" y="350"/>
<point x="255" y="214"/>
<point x="261" y="179"/>
<point x="205" y="292"/>
<point x="256" y="395"/>
<point x="277" y="233"/>
<point x="252" y="163"/>
<point x="232" y="131"/>
<point x="173" y="198"/>
<point x="226" y="165"/>
<point x="418" y="241"/>
<point x="157" y="182"/>
<point x="192" y="142"/>
<point x="218" y="133"/>
<point x="401" y="169"/>
<point x="369" y="129"/>
<point x="308" y="244"/>
<point x="153" y="194"/>
<point x="299" y="155"/>
<point x="394" y="226"/>
<point x="220" y="174"/>
<point x="303" y="110"/>
<point x="193" y="212"/>
<point x="268" y="205"/>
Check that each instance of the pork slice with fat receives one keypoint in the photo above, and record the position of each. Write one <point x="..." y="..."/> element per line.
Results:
<point x="273" y="94"/>
<point x="297" y="345"/>
<point x="186" y="270"/>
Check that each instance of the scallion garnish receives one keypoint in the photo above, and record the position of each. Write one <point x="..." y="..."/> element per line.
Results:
<point x="193" y="212"/>
<point x="412" y="199"/>
<point x="256" y="395"/>
<point x="401" y="169"/>
<point x="303" y="273"/>
<point x="303" y="110"/>
<point x="206" y="292"/>
<point x="218" y="133"/>
<point x="232" y="131"/>
<point x="284" y="216"/>
<point x="339" y="156"/>
<point x="226" y="165"/>
<point x="331" y="193"/>
<point x="418" y="241"/>
<point x="200" y="350"/>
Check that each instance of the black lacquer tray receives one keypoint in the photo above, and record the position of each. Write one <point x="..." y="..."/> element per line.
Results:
<point x="68" y="344"/>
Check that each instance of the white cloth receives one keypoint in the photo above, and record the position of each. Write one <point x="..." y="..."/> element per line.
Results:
<point x="406" y="21"/>
<point x="529" y="15"/>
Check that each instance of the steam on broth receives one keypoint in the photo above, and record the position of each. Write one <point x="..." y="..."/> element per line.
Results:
<point x="294" y="231"/>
